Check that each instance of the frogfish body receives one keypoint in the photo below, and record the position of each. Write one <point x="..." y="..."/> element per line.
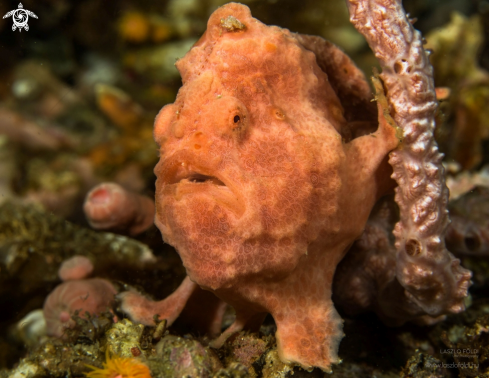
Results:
<point x="271" y="159"/>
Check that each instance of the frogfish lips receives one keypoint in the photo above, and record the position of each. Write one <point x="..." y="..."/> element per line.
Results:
<point x="182" y="178"/>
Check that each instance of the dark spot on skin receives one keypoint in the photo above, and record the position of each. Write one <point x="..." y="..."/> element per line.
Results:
<point x="236" y="119"/>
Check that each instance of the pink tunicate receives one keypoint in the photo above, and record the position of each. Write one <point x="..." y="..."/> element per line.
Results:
<point x="93" y="295"/>
<point x="75" y="268"/>
<point x="109" y="206"/>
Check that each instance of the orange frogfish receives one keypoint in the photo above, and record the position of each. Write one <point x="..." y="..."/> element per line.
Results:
<point x="271" y="159"/>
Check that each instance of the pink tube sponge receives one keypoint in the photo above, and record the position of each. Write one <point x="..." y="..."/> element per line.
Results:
<point x="92" y="295"/>
<point x="75" y="268"/>
<point x="109" y="206"/>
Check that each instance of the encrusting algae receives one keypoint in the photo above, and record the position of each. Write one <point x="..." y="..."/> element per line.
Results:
<point x="119" y="367"/>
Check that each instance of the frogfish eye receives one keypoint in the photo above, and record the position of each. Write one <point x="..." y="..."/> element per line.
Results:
<point x="236" y="119"/>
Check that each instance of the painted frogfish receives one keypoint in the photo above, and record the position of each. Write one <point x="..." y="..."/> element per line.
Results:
<point x="271" y="159"/>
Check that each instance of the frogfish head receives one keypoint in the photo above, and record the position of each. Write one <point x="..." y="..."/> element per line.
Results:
<point x="249" y="152"/>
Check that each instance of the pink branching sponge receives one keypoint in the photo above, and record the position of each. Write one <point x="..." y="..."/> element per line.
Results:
<point x="431" y="277"/>
<point x="271" y="160"/>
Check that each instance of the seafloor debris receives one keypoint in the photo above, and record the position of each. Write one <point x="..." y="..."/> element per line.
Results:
<point x="97" y="344"/>
<point x="34" y="243"/>
<point x="30" y="330"/>
<point x="29" y="134"/>
<point x="423" y="365"/>
<point x="465" y="118"/>
<point x="464" y="181"/>
<point x="468" y="234"/>
<point x="130" y="150"/>
<point x="137" y="27"/>
<point x="158" y="62"/>
<point x="57" y="108"/>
